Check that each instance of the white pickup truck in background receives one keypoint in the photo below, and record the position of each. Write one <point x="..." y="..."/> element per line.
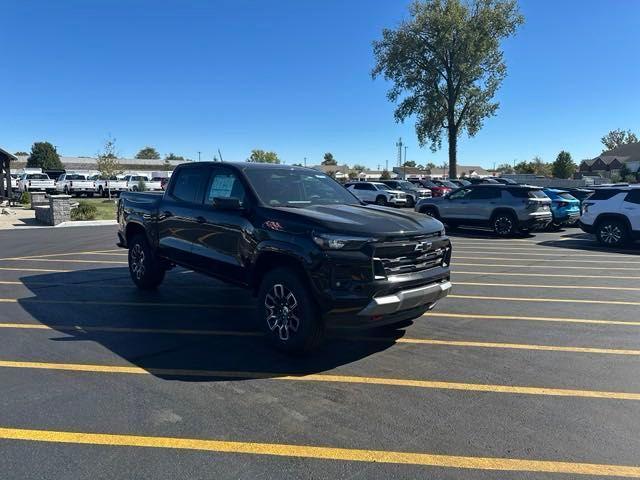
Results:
<point x="75" y="184"/>
<point x="133" y="182"/>
<point x="30" y="182"/>
<point x="115" y="184"/>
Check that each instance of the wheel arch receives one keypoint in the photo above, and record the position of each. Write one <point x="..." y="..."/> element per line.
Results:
<point x="612" y="216"/>
<point x="503" y="210"/>
<point x="269" y="259"/>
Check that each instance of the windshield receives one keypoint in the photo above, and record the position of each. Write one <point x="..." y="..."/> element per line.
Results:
<point x="382" y="186"/>
<point x="297" y="188"/>
<point x="446" y="183"/>
<point x="405" y="185"/>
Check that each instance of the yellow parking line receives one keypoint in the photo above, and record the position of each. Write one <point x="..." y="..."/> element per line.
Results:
<point x="545" y="300"/>
<point x="557" y="275"/>
<point x="563" y="267"/>
<point x="321" y="453"/>
<point x="405" y="340"/>
<point x="607" y="262"/>
<point x="325" y="378"/>
<point x="69" y="254"/>
<point x="64" y="260"/>
<point x="566" y="287"/>
<point x="477" y="316"/>
<point x="125" y="304"/>
<point x="527" y="251"/>
<point x="19" y="269"/>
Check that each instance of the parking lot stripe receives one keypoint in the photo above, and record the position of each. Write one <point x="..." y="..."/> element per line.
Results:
<point x="321" y="453"/>
<point x="405" y="340"/>
<point x="477" y="316"/>
<point x="64" y="260"/>
<point x="326" y="378"/>
<point x="97" y="252"/>
<point x="603" y="262"/>
<point x="566" y="287"/>
<point x="120" y="304"/>
<point x="558" y="275"/>
<point x="546" y="300"/>
<point x="20" y="269"/>
<point x="563" y="267"/>
<point x="527" y="251"/>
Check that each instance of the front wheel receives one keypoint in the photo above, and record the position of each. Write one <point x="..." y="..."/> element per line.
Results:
<point x="612" y="233"/>
<point x="145" y="269"/>
<point x="504" y="225"/>
<point x="289" y="316"/>
<point x="381" y="200"/>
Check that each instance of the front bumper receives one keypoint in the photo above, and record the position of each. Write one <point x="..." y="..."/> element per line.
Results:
<point x="397" y="201"/>
<point x="406" y="300"/>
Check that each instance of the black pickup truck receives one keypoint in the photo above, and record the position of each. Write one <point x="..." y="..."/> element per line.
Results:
<point x="312" y="253"/>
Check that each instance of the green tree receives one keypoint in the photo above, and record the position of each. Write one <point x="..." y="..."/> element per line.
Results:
<point x="447" y="60"/>
<point x="261" y="156"/>
<point x="21" y="154"/>
<point x="524" y="167"/>
<point x="504" y="168"/>
<point x="617" y="138"/>
<point x="107" y="163"/>
<point x="328" y="159"/>
<point x="385" y="175"/>
<point x="624" y="171"/>
<point x="172" y="156"/>
<point x="430" y="166"/>
<point x="540" y="167"/>
<point x="563" y="167"/>
<point x="409" y="163"/>
<point x="353" y="175"/>
<point x="148" y="153"/>
<point x="359" y="168"/>
<point x="43" y="155"/>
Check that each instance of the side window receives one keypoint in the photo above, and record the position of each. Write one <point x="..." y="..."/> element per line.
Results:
<point x="225" y="184"/>
<point x="359" y="186"/>
<point x="189" y="184"/>
<point x="62" y="177"/>
<point x="460" y="194"/>
<point x="633" y="196"/>
<point x="484" y="194"/>
<point x="368" y="186"/>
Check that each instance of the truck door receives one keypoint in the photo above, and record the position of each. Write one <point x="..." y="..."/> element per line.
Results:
<point x="178" y="212"/>
<point x="224" y="241"/>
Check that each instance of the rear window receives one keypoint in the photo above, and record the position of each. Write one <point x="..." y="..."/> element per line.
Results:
<point x="566" y="196"/>
<point x="633" y="196"/>
<point x="75" y="177"/>
<point x="38" y="176"/>
<point x="526" y="193"/>
<point x="604" y="193"/>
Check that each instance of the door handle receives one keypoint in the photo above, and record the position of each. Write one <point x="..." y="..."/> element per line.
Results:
<point x="201" y="219"/>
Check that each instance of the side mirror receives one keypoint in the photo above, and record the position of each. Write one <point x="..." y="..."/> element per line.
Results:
<point x="223" y="203"/>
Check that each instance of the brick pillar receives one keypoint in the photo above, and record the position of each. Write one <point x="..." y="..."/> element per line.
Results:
<point x="38" y="199"/>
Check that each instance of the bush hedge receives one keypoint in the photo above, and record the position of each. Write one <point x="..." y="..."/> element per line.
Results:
<point x="84" y="211"/>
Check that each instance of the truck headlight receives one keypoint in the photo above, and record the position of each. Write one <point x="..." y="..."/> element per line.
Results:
<point x="330" y="241"/>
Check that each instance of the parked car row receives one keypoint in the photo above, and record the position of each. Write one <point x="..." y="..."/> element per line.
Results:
<point x="80" y="184"/>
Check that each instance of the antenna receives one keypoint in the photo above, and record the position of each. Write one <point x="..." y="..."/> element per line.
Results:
<point x="220" y="155"/>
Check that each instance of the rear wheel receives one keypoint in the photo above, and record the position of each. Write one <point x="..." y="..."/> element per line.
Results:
<point x="288" y="314"/>
<point x="504" y="224"/>
<point x="145" y="269"/>
<point x="381" y="200"/>
<point x="612" y="233"/>
<point x="431" y="211"/>
<point x="410" y="202"/>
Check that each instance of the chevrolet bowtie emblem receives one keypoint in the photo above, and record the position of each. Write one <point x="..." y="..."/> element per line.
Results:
<point x="423" y="246"/>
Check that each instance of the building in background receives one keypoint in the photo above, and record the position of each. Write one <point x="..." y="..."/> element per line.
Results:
<point x="611" y="161"/>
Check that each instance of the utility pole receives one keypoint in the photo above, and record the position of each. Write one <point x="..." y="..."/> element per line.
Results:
<point x="305" y="161"/>
<point x="386" y="164"/>
<point x="199" y="155"/>
<point x="405" y="164"/>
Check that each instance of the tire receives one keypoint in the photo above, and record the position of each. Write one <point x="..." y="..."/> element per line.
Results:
<point x="102" y="193"/>
<point x="288" y="314"/>
<point x="66" y="190"/>
<point x="504" y="224"/>
<point x="381" y="200"/>
<point x="145" y="269"/>
<point x="410" y="202"/>
<point x="612" y="232"/>
<point x="134" y="189"/>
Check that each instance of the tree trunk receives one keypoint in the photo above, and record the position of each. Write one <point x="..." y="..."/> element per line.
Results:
<point x="453" y="151"/>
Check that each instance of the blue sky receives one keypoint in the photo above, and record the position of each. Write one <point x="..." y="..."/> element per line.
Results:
<point x="293" y="76"/>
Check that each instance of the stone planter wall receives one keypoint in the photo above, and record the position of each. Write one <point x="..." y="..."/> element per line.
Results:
<point x="57" y="212"/>
<point x="38" y="199"/>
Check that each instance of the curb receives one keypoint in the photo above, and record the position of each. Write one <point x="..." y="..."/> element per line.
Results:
<point x="86" y="223"/>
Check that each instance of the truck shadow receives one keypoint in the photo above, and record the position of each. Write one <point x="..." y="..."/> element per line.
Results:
<point x="191" y="329"/>
<point x="587" y="242"/>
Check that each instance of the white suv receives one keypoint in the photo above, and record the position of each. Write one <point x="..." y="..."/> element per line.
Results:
<point x="613" y="215"/>
<point x="378" y="193"/>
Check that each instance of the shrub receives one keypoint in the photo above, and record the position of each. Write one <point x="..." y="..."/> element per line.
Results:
<point x="142" y="185"/>
<point x="25" y="199"/>
<point x="84" y="211"/>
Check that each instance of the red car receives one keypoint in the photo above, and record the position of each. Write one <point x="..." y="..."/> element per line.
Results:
<point x="438" y="188"/>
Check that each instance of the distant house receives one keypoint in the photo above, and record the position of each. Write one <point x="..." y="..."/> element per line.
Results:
<point x="339" y="172"/>
<point x="611" y="161"/>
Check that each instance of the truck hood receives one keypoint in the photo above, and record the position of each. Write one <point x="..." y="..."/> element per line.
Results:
<point x="369" y="220"/>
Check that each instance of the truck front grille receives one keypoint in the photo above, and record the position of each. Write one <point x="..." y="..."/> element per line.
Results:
<point x="410" y="256"/>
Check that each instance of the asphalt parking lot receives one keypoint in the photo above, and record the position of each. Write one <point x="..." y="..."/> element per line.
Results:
<point x="528" y="370"/>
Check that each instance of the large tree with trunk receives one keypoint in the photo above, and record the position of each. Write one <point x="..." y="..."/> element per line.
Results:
<point x="445" y="64"/>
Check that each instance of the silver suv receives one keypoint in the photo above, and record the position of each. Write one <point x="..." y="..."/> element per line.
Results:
<point x="507" y="209"/>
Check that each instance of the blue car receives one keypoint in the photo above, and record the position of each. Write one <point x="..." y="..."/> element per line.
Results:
<point x="565" y="208"/>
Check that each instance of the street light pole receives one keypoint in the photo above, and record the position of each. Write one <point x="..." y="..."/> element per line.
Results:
<point x="199" y="155"/>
